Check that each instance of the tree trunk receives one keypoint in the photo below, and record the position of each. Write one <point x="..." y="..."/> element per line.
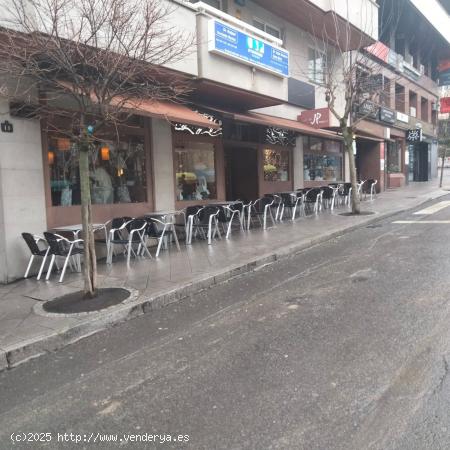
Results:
<point x="348" y="142"/>
<point x="444" y="154"/>
<point x="90" y="261"/>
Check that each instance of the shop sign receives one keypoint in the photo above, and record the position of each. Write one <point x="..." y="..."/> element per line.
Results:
<point x="7" y="127"/>
<point x="279" y="136"/>
<point x="198" y="131"/>
<point x="402" y="117"/>
<point x="387" y="115"/>
<point x="368" y="109"/>
<point x="235" y="44"/>
<point x="316" y="118"/>
<point x="445" y="105"/>
<point x="414" y="135"/>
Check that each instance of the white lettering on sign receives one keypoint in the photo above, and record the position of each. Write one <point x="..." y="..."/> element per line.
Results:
<point x="316" y="118"/>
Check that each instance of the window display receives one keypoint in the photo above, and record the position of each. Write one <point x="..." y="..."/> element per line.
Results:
<point x="276" y="165"/>
<point x="323" y="160"/>
<point x="117" y="171"/>
<point x="195" y="171"/>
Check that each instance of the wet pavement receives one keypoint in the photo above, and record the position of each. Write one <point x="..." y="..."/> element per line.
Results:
<point x="344" y="345"/>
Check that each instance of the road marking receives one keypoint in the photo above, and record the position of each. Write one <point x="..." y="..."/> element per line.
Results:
<point x="423" y="221"/>
<point x="433" y="209"/>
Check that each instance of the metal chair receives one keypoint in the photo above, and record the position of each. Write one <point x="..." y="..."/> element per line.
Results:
<point x="128" y="235"/>
<point x="262" y="207"/>
<point x="369" y="188"/>
<point x="162" y="231"/>
<point x="59" y="246"/>
<point x="291" y="201"/>
<point x="32" y="242"/>
<point x="205" y="223"/>
<point x="190" y="216"/>
<point x="314" y="197"/>
<point x="329" y="196"/>
<point x="227" y="216"/>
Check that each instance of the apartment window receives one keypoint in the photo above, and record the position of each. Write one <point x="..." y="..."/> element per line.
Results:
<point x="399" y="98"/>
<point x="424" y="109"/>
<point x="316" y="66"/>
<point x="412" y="104"/>
<point x="267" y="28"/>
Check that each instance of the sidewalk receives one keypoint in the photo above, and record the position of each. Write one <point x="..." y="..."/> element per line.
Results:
<point x="26" y="331"/>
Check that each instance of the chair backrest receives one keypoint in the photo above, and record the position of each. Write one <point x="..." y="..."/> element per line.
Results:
<point x="345" y="188"/>
<point x="260" y="204"/>
<point x="191" y="210"/>
<point x="287" y="199"/>
<point x="55" y="244"/>
<point x="311" y="195"/>
<point x="237" y="206"/>
<point x="328" y="192"/>
<point x="206" y="212"/>
<point x="31" y="242"/>
<point x="135" y="224"/>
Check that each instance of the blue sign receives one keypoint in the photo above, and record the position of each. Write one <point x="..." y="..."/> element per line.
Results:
<point x="243" y="47"/>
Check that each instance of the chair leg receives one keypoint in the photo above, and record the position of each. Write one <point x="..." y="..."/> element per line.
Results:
<point x="43" y="264"/>
<point x="50" y="267"/>
<point x="30" y="262"/>
<point x="69" y="255"/>
<point x="160" y="241"/>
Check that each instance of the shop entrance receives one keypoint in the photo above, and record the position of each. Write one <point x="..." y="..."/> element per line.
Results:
<point x="367" y="159"/>
<point x="241" y="168"/>
<point x="419" y="162"/>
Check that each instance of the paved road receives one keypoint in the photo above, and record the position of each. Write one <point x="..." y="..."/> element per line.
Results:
<point x="344" y="346"/>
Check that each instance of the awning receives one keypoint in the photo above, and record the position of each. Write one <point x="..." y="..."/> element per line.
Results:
<point x="287" y="124"/>
<point x="173" y="112"/>
<point x="367" y="137"/>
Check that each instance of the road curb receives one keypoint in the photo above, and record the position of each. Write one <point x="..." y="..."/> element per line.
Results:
<point x="28" y="349"/>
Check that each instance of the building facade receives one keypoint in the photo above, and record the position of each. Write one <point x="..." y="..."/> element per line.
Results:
<point x="257" y="123"/>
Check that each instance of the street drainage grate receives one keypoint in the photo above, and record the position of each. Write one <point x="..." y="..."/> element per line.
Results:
<point x="374" y="226"/>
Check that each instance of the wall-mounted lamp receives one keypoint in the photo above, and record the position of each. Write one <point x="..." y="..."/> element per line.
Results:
<point x="104" y="153"/>
<point x="63" y="144"/>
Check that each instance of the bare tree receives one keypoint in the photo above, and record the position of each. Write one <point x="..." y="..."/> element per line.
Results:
<point x="94" y="62"/>
<point x="352" y="80"/>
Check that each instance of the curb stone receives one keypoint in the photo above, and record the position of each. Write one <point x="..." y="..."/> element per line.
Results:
<point x="94" y="323"/>
<point x="3" y="360"/>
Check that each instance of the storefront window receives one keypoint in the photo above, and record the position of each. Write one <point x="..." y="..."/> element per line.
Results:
<point x="196" y="171"/>
<point x="322" y="160"/>
<point x="394" y="157"/>
<point x="276" y="165"/>
<point x="117" y="171"/>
